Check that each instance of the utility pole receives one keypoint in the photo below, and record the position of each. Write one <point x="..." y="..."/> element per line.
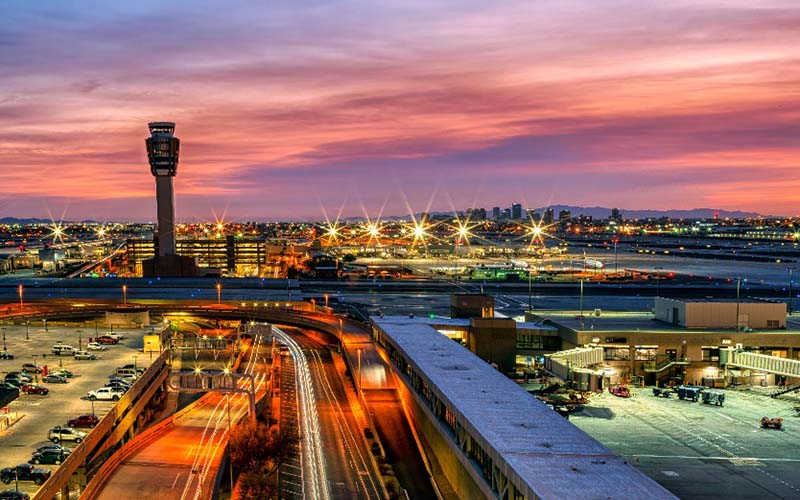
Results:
<point x="791" y="291"/>
<point x="738" y="284"/>
<point x="581" y="313"/>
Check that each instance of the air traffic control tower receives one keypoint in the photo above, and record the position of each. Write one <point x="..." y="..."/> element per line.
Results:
<point x="162" y="153"/>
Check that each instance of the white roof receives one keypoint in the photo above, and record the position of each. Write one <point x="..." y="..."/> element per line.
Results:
<point x="540" y="449"/>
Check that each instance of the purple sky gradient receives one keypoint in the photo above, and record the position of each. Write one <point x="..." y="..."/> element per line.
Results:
<point x="288" y="107"/>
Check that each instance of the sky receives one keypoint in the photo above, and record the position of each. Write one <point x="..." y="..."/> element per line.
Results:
<point x="290" y="109"/>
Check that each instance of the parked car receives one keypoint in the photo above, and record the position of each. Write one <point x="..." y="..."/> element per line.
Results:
<point x="114" y="335"/>
<point x="63" y="349"/>
<point x="105" y="394"/>
<point x="96" y="346"/>
<point x="18" y="376"/>
<point x="64" y="372"/>
<point x="6" y="355"/>
<point x="34" y="389"/>
<point x="15" y="383"/>
<point x="52" y="446"/>
<point x="122" y="380"/>
<point x="84" y="421"/>
<point x="105" y="339"/>
<point x="24" y="472"/>
<point x="58" y="434"/>
<point x="119" y="386"/>
<point x="31" y="368"/>
<point x="50" y="456"/>
<point x="84" y="355"/>
<point x="54" y="378"/>
<point x="14" y="495"/>
<point x="130" y="366"/>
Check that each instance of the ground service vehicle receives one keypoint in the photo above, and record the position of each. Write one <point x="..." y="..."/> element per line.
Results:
<point x="771" y="423"/>
<point x="24" y="472"/>
<point x="620" y="391"/>
<point x="85" y="421"/>
<point x="51" y="456"/>
<point x="105" y="394"/>
<point x="689" y="392"/>
<point x="58" y="434"/>
<point x="660" y="392"/>
<point x="713" y="398"/>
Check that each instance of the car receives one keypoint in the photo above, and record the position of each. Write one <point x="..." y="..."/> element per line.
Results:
<point x="84" y="421"/>
<point x="64" y="372"/>
<point x="14" y="495"/>
<point x="52" y="446"/>
<point x="121" y="380"/>
<point x="58" y="434"/>
<point x="6" y="355"/>
<point x="24" y="472"/>
<point x="50" y="456"/>
<point x="96" y="346"/>
<point x="105" y="339"/>
<point x="131" y="366"/>
<point x="9" y="386"/>
<point x="105" y="394"/>
<point x="34" y="389"/>
<point x="84" y="355"/>
<point x="15" y="383"/>
<point x="31" y="368"/>
<point x="119" y="386"/>
<point x="54" y="378"/>
<point x="18" y="376"/>
<point x="60" y="349"/>
<point x="114" y="335"/>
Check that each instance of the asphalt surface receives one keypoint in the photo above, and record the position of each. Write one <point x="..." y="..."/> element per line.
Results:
<point x="351" y="472"/>
<point x="39" y="413"/>
<point x="699" y="451"/>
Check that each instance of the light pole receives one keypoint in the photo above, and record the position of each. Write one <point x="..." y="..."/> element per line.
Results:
<point x="35" y="375"/>
<point x="581" y="306"/>
<point x="134" y="361"/>
<point x="360" y="390"/>
<point x="4" y="339"/>
<point x="326" y="302"/>
<point x="791" y="291"/>
<point x="219" y="293"/>
<point x="21" y="289"/>
<point x="530" y="299"/>
<point x="124" y="294"/>
<point x="616" y="240"/>
<point x="230" y="458"/>
<point x="27" y="330"/>
<point x="738" y="284"/>
<point x="658" y="277"/>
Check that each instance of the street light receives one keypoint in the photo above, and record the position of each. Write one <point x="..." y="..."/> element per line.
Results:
<point x="20" y="296"/>
<point x="326" y="302"/>
<point x="360" y="390"/>
<point x="658" y="277"/>
<point x="134" y="361"/>
<point x="616" y="240"/>
<point x="581" y="306"/>
<point x="4" y="339"/>
<point x="27" y="330"/>
<point x="124" y="294"/>
<point x="530" y="299"/>
<point x="738" y="284"/>
<point x="219" y="293"/>
<point x="791" y="292"/>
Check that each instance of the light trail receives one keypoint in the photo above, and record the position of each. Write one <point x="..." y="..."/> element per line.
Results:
<point x="309" y="421"/>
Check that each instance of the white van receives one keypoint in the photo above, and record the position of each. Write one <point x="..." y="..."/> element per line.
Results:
<point x="63" y="349"/>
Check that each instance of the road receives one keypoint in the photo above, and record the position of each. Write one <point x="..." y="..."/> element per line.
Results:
<point x="182" y="461"/>
<point x="351" y="472"/>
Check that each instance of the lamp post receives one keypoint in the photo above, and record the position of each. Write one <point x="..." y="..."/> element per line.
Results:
<point x="35" y="375"/>
<point x="658" y="277"/>
<point x="4" y="339"/>
<point x="616" y="240"/>
<point x="581" y="306"/>
<point x="20" y="289"/>
<point x="791" y="291"/>
<point x="530" y="299"/>
<point x="134" y="361"/>
<point x="124" y="294"/>
<point x="360" y="390"/>
<point x="326" y="302"/>
<point x="27" y="330"/>
<point x="219" y="293"/>
<point x="230" y="458"/>
<point x="738" y="284"/>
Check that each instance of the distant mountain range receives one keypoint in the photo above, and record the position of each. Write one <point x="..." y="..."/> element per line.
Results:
<point x="599" y="213"/>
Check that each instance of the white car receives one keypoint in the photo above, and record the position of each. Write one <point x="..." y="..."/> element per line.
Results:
<point x="105" y="394"/>
<point x="115" y="336"/>
<point x="96" y="346"/>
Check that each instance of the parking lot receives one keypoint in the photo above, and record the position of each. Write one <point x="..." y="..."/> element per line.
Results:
<point x="37" y="414"/>
<point x="700" y="451"/>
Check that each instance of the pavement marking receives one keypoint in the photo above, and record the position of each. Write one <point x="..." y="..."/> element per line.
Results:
<point x="684" y="457"/>
<point x="176" y="480"/>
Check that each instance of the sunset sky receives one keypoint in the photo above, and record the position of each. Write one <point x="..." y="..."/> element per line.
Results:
<point x="287" y="107"/>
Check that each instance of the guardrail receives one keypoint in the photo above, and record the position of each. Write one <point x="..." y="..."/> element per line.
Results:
<point x="111" y="428"/>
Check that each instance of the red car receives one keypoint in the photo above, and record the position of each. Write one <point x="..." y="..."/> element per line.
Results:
<point x="107" y="340"/>
<point x="34" y="389"/>
<point x="84" y="421"/>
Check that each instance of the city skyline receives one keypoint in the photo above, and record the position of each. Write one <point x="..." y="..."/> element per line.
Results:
<point x="283" y="111"/>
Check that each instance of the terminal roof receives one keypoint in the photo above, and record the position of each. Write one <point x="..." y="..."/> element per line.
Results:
<point x="552" y="457"/>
